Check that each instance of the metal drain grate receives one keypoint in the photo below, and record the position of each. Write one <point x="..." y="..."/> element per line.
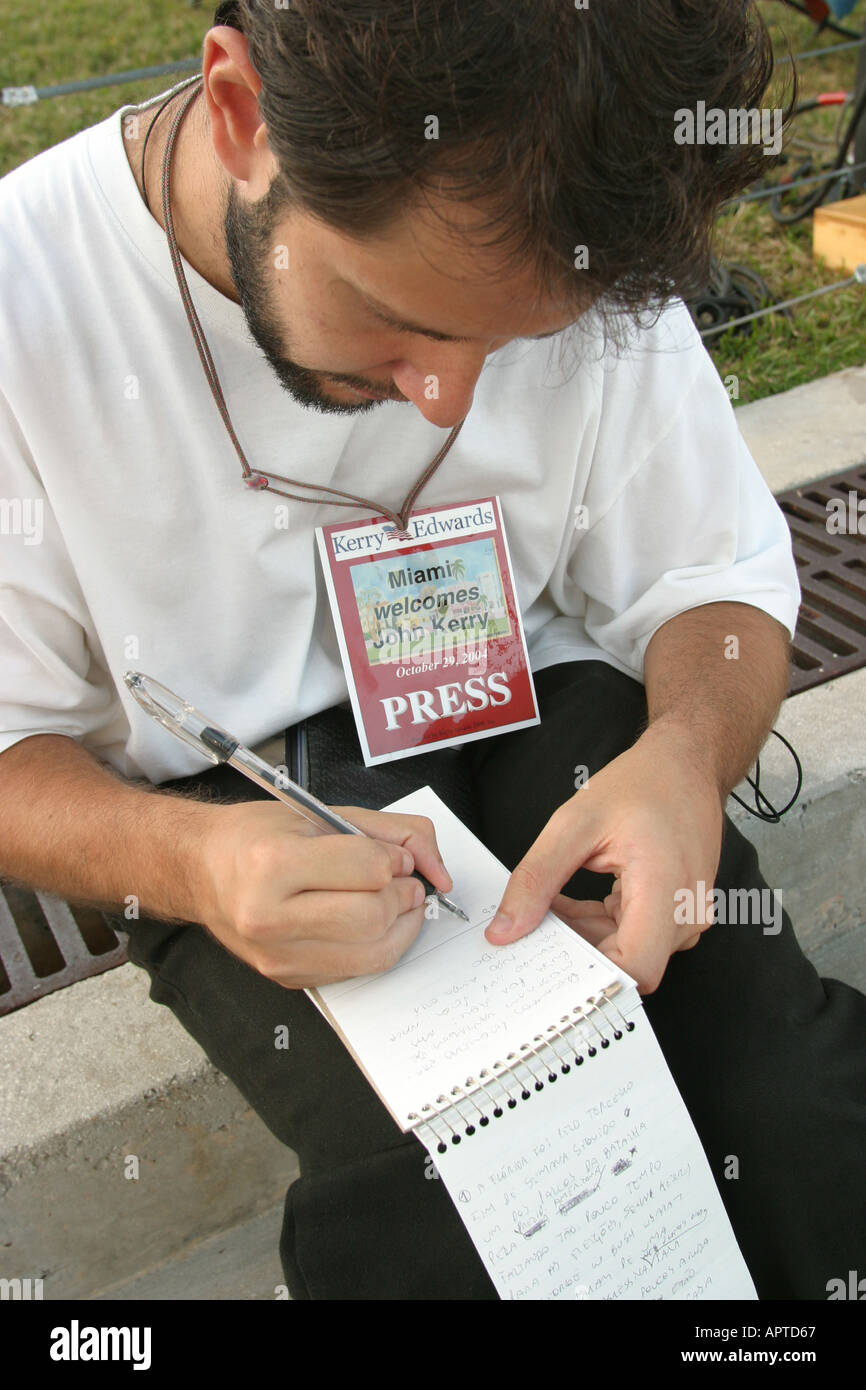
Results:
<point x="831" y="562"/>
<point x="45" y="944"/>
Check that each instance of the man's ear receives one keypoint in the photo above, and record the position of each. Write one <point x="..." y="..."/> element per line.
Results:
<point x="238" y="133"/>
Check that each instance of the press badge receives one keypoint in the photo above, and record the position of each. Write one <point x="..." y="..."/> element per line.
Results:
<point x="429" y="629"/>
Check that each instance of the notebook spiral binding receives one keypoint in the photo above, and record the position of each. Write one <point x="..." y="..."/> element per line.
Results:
<point x="579" y="1036"/>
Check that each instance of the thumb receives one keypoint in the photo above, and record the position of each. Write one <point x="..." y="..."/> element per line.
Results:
<point x="537" y="879"/>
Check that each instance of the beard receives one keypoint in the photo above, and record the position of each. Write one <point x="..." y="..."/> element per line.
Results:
<point x="248" y="230"/>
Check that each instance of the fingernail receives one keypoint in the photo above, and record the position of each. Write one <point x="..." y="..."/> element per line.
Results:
<point x="408" y="863"/>
<point x="420" y="895"/>
<point x="501" y="927"/>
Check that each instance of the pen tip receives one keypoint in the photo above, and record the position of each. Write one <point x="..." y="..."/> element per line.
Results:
<point x="452" y="906"/>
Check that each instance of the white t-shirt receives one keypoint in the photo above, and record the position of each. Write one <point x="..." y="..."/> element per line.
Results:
<point x="128" y="541"/>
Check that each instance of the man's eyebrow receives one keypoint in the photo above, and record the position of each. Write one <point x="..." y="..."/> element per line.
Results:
<point x="404" y="326"/>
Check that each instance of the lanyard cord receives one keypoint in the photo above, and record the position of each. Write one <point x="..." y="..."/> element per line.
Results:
<point x="261" y="479"/>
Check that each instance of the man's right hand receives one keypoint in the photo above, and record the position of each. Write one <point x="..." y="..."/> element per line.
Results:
<point x="305" y="906"/>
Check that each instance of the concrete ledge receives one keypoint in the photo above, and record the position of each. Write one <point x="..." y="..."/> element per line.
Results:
<point x="814" y="856"/>
<point x="91" y="1075"/>
<point x="808" y="432"/>
<point x="241" y="1264"/>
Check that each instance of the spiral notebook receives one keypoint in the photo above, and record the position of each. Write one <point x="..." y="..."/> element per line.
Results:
<point x="532" y="1076"/>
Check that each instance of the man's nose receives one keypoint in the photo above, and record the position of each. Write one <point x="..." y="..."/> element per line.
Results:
<point x="441" y="383"/>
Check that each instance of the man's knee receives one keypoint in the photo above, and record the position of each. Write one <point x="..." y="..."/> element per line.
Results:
<point x="382" y="1228"/>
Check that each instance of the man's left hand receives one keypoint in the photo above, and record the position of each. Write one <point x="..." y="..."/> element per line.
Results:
<point x="653" y="818"/>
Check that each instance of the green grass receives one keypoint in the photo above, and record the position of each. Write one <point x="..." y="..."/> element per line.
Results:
<point x="72" y="39"/>
<point x="68" y="40"/>
<point x="827" y="333"/>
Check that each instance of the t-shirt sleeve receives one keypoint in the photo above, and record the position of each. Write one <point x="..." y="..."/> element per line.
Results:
<point x="49" y="680"/>
<point x="690" y="520"/>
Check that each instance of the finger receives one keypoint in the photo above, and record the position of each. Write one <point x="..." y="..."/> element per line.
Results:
<point x="574" y="907"/>
<point x="615" y="894"/>
<point x="310" y="963"/>
<point x="595" y="930"/>
<point x="585" y="917"/>
<point x="347" y="863"/>
<point x="416" y="834"/>
<point x="644" y="938"/>
<point x="692" y="941"/>
<point x="561" y="848"/>
<point x="647" y="933"/>
<point x="351" y="918"/>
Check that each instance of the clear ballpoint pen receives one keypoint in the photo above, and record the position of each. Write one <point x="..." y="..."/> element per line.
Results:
<point x="186" y="722"/>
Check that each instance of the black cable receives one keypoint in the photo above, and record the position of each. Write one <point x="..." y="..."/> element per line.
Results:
<point x="813" y="200"/>
<point x="814" y="105"/>
<point x="860" y="133"/>
<point x="775" y="816"/>
<point x="732" y="291"/>
<point x="12" y="96"/>
<point x="827" y="23"/>
<point x="770" y="190"/>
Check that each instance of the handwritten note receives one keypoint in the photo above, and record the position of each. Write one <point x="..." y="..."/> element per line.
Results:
<point x="596" y="1187"/>
<point x="454" y="1004"/>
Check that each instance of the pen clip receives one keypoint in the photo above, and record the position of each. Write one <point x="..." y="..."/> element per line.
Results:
<point x="171" y="711"/>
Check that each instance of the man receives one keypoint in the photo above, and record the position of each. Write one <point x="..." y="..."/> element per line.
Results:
<point x="393" y="210"/>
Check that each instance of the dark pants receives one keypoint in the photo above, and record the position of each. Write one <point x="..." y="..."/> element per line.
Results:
<point x="770" y="1059"/>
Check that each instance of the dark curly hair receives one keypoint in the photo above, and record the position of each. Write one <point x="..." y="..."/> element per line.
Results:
<point x="556" y="122"/>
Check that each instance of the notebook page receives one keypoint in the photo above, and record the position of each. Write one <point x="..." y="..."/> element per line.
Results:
<point x="597" y="1187"/>
<point x="455" y="1004"/>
